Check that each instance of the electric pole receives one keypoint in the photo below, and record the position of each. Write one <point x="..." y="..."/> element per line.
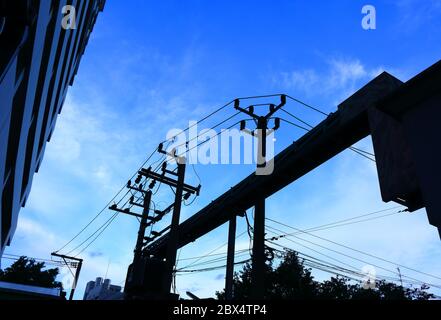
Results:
<point x="230" y="259"/>
<point x="145" y="220"/>
<point x="77" y="264"/>
<point x="258" y="258"/>
<point x="147" y="276"/>
<point x="174" y="180"/>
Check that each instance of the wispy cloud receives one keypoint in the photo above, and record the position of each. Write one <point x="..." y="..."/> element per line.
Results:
<point x="415" y="14"/>
<point x="341" y="78"/>
<point x="40" y="239"/>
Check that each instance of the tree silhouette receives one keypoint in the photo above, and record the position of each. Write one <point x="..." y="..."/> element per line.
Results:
<point x="292" y="280"/>
<point x="28" y="271"/>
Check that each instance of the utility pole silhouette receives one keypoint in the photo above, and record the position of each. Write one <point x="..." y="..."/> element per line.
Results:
<point x="141" y="281"/>
<point x="261" y="132"/>
<point x="77" y="264"/>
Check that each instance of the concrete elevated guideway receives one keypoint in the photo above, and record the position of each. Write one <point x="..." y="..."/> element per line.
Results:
<point x="385" y="100"/>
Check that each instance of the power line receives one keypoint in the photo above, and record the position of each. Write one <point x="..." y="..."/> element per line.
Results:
<point x="110" y="220"/>
<point x="327" y="267"/>
<point x="216" y="135"/>
<point x="99" y="234"/>
<point x="106" y="224"/>
<point x="212" y="255"/>
<point x="354" y="258"/>
<point x="105" y="207"/>
<point x="212" y="251"/>
<point x="206" y="117"/>
<point x="78" y="246"/>
<point x="20" y="256"/>
<point x="148" y="159"/>
<point x="143" y="164"/>
<point x="213" y="268"/>
<point x="352" y="249"/>
<point x="212" y="128"/>
<point x="90" y="236"/>
<point x="361" y="152"/>
<point x="293" y="124"/>
<point x="45" y="261"/>
<point x="346" y="222"/>
<point x="307" y="105"/>
<point x="216" y="260"/>
<point x="323" y="265"/>
<point x="309" y="248"/>
<point x="339" y="261"/>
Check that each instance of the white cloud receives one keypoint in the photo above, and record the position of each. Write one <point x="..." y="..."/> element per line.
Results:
<point x="341" y="78"/>
<point x="302" y="80"/>
<point x="35" y="239"/>
<point x="415" y="14"/>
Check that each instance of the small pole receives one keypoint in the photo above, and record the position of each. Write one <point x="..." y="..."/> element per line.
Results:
<point x="77" y="276"/>
<point x="172" y="246"/>
<point x="77" y="272"/>
<point x="142" y="227"/>
<point x="230" y="259"/>
<point x="258" y="259"/>
<point x="399" y="273"/>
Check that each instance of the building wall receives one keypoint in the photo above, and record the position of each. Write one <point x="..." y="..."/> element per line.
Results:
<point x="38" y="61"/>
<point x="99" y="290"/>
<point x="16" y="291"/>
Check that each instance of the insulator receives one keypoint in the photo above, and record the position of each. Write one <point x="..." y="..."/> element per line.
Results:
<point x="152" y="184"/>
<point x="276" y="123"/>
<point x="138" y="179"/>
<point x="283" y="99"/>
<point x="243" y="125"/>
<point x="187" y="196"/>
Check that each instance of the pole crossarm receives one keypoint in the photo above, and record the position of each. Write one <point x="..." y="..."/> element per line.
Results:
<point x="126" y="211"/>
<point x="66" y="257"/>
<point x="148" y="173"/>
<point x="250" y="110"/>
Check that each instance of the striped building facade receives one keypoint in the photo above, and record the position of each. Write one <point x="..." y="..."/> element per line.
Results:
<point x="39" y="58"/>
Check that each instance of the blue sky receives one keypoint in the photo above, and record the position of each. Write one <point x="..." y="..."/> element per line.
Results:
<point x="151" y="66"/>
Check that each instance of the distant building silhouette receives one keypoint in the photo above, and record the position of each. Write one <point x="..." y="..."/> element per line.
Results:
<point x="39" y="59"/>
<point x="102" y="290"/>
